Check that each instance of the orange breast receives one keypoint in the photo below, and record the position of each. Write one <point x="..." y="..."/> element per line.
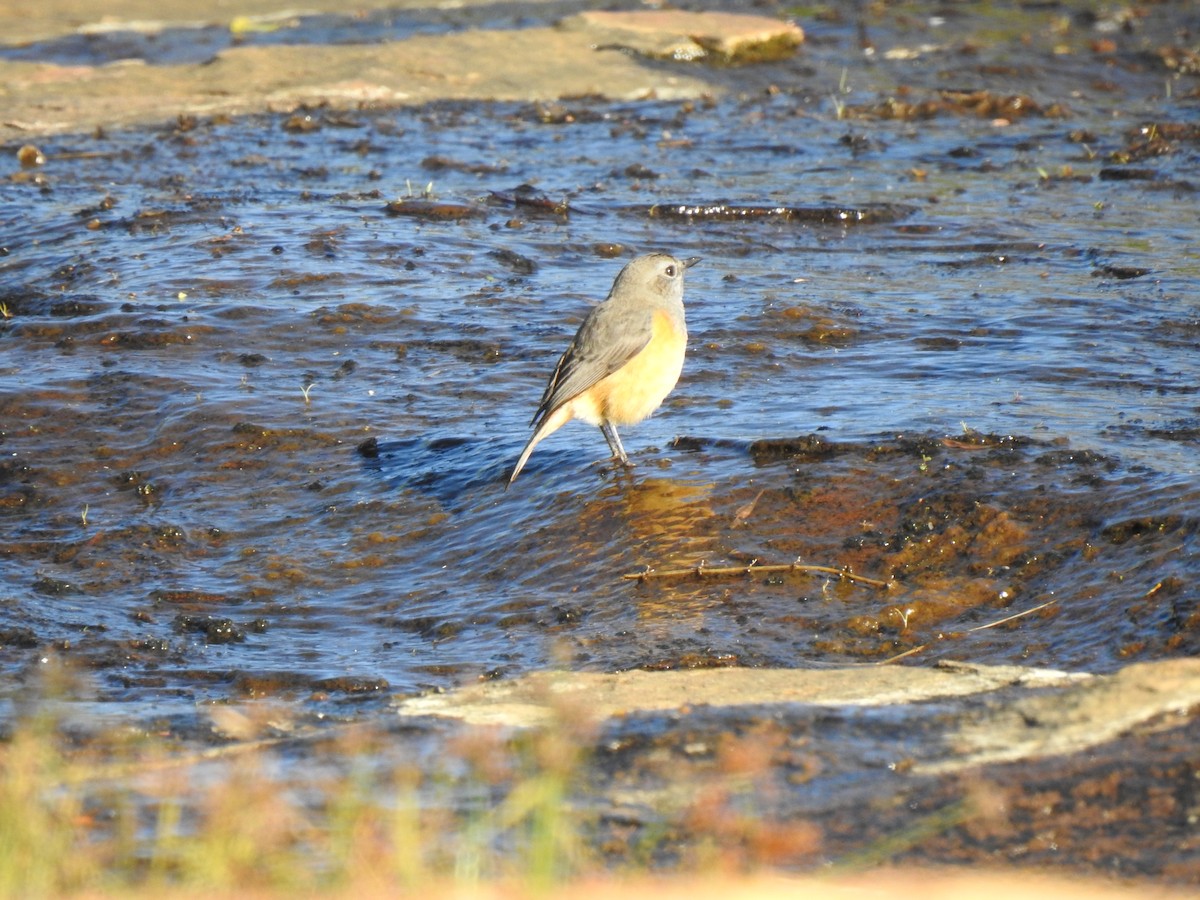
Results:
<point x="639" y="387"/>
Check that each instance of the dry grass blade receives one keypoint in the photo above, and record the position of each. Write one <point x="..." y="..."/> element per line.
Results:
<point x="746" y="511"/>
<point x="913" y="651"/>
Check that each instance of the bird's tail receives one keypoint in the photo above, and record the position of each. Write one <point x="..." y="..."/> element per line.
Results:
<point x="524" y="457"/>
<point x="550" y="424"/>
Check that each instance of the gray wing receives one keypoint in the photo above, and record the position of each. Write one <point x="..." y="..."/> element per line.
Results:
<point x="608" y="338"/>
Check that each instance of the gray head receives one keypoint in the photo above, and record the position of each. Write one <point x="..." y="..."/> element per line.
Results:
<point x="653" y="277"/>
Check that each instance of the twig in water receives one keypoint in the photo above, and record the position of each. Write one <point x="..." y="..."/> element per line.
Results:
<point x="703" y="571"/>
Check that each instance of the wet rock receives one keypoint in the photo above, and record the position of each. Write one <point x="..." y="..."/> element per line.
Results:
<point x="692" y="661"/>
<point x="1122" y="273"/>
<point x="439" y="163"/>
<point x="18" y="638"/>
<point x="1180" y="430"/>
<point x="1156" y="139"/>
<point x="301" y="123"/>
<point x="1133" y="529"/>
<point x="641" y="172"/>
<point x="559" y="112"/>
<point x="983" y="103"/>
<point x="270" y="684"/>
<point x="148" y="646"/>
<point x="434" y="210"/>
<point x="364" y="314"/>
<point x="189" y="598"/>
<point x="939" y="343"/>
<point x="33" y="303"/>
<point x="78" y="307"/>
<point x="430" y="627"/>
<point x="810" y="447"/>
<point x="1112" y="173"/>
<point x="348" y="684"/>
<point x="54" y="587"/>
<point x="150" y="340"/>
<point x="216" y="629"/>
<point x="30" y="156"/>
<point x="608" y="250"/>
<point x="680" y="35"/>
<point x="1082" y="458"/>
<point x="527" y="197"/>
<point x="510" y="259"/>
<point x="802" y="324"/>
<point x="467" y="349"/>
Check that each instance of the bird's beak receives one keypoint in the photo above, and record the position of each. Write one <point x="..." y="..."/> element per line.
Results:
<point x="691" y="261"/>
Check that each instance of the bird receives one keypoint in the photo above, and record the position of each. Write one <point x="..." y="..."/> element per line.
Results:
<point x="625" y="358"/>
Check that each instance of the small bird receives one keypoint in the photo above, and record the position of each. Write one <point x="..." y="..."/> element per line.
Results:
<point x="625" y="358"/>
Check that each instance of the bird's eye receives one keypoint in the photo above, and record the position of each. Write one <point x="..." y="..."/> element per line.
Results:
<point x="670" y="270"/>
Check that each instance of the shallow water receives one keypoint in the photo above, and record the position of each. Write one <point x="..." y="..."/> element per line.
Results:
<point x="204" y="324"/>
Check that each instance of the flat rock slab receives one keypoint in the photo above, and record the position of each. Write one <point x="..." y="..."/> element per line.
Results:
<point x="584" y="56"/>
<point x="538" y="698"/>
<point x="1034" y="712"/>
<point x="24" y="21"/>
<point x="525" y="65"/>
<point x="675" y="34"/>
<point x="1092" y="712"/>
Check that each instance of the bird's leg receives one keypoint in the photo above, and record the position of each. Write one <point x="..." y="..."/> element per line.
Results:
<point x="614" y="442"/>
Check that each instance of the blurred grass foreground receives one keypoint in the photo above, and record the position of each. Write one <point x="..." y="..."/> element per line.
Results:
<point x="249" y="803"/>
<point x="252" y="803"/>
<point x="118" y="811"/>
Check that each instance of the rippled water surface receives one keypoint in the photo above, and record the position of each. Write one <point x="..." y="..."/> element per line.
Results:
<point x="255" y="429"/>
